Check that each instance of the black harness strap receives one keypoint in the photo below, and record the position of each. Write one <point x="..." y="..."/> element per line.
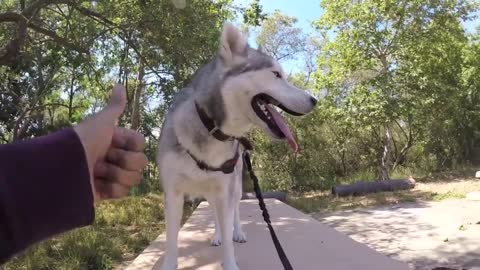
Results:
<point x="209" y="123"/>
<point x="227" y="167"/>
<point x="281" y="254"/>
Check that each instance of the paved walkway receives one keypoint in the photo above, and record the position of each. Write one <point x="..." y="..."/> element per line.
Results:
<point x="426" y="235"/>
<point x="309" y="244"/>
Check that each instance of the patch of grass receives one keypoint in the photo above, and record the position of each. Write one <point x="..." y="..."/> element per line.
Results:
<point x="314" y="202"/>
<point x="460" y="172"/>
<point x="122" y="229"/>
<point x="448" y="195"/>
<point x="443" y="187"/>
<point x="358" y="176"/>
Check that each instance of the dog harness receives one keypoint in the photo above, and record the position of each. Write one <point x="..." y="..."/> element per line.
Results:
<point x="228" y="166"/>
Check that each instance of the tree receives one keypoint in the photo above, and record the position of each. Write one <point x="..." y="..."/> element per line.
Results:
<point x="279" y="36"/>
<point x="468" y="122"/>
<point x="309" y="54"/>
<point x="388" y="67"/>
<point x="253" y="14"/>
<point x="57" y="69"/>
<point x="116" y="35"/>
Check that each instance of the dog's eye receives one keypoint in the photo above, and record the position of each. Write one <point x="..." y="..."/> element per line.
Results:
<point x="277" y="74"/>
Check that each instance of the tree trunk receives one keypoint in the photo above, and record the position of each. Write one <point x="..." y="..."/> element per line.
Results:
<point x="51" y="116"/>
<point x="400" y="157"/>
<point x="344" y="162"/>
<point x="70" y="99"/>
<point x="137" y="104"/>
<point x="21" y="126"/>
<point x="385" y="160"/>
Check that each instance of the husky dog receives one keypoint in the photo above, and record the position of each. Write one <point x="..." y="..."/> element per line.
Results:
<point x="199" y="152"/>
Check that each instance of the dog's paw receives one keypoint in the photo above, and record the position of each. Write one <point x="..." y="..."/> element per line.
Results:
<point x="239" y="236"/>
<point x="216" y="240"/>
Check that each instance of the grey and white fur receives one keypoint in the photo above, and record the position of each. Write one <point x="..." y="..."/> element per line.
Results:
<point x="224" y="88"/>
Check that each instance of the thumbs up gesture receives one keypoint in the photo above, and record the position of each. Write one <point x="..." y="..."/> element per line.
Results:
<point x="115" y="155"/>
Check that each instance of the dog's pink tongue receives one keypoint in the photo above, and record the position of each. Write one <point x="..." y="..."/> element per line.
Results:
<point x="283" y="127"/>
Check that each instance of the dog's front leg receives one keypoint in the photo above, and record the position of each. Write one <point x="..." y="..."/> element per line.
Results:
<point x="225" y="209"/>
<point x="173" y="218"/>
<point x="238" y="234"/>
<point x="217" y="237"/>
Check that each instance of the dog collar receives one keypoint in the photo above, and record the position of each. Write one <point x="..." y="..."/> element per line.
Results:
<point x="227" y="167"/>
<point x="209" y="123"/>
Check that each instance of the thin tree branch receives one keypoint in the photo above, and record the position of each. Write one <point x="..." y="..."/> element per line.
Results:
<point x="42" y="106"/>
<point x="57" y="39"/>
<point x="35" y="6"/>
<point x="99" y="17"/>
<point x="10" y="53"/>
<point x="11" y="17"/>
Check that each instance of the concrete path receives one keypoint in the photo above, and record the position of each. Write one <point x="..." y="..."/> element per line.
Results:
<point x="426" y="235"/>
<point x="308" y="244"/>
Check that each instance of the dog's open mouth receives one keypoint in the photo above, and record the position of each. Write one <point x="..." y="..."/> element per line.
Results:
<point x="263" y="104"/>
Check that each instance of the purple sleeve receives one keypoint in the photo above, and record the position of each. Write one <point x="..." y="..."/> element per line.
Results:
<point x="44" y="190"/>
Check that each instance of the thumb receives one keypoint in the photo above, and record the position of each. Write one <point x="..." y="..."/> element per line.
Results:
<point x="116" y="104"/>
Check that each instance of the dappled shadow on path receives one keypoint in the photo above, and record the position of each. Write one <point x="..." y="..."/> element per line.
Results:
<point x="417" y="233"/>
<point x="307" y="243"/>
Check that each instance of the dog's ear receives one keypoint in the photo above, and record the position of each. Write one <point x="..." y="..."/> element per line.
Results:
<point x="233" y="45"/>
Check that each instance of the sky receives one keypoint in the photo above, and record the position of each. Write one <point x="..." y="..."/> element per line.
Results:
<point x="307" y="11"/>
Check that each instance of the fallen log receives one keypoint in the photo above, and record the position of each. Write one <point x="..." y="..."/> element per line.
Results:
<point x="281" y="196"/>
<point x="362" y="187"/>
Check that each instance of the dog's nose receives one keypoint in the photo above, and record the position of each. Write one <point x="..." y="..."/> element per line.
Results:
<point x="313" y="101"/>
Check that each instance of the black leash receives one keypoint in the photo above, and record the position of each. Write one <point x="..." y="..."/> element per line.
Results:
<point x="266" y="216"/>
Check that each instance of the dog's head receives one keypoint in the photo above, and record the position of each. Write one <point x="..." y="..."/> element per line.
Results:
<point x="253" y="85"/>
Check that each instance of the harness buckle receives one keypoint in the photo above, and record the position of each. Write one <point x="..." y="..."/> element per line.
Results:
<point x="214" y="129"/>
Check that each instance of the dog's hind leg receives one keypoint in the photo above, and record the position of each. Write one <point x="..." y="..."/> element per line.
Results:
<point x="173" y="217"/>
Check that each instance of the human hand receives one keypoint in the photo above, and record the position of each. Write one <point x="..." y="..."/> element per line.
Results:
<point x="115" y="155"/>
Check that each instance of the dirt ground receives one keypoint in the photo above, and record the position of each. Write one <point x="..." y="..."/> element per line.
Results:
<point x="424" y="234"/>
